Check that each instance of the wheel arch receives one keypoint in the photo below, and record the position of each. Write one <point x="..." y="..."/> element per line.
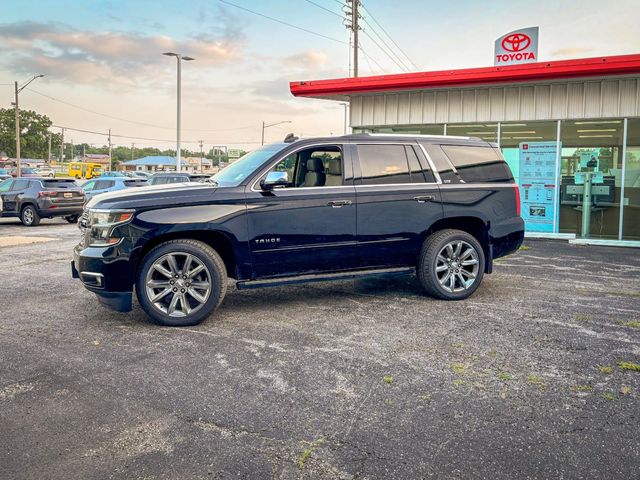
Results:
<point x="475" y="226"/>
<point x="217" y="240"/>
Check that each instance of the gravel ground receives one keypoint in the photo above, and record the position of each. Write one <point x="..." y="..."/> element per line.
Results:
<point x="352" y="379"/>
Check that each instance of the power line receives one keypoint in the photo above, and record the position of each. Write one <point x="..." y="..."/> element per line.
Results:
<point x="398" y="57"/>
<point x="129" y="137"/>
<point x="133" y="121"/>
<point x="283" y="22"/>
<point x="390" y="37"/>
<point x="323" y="8"/>
<point x="371" y="58"/>
<point x="403" y="68"/>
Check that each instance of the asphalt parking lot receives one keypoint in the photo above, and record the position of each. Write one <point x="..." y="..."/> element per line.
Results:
<point x="354" y="379"/>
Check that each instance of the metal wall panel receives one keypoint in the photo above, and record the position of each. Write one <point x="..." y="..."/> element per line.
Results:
<point x="558" y="100"/>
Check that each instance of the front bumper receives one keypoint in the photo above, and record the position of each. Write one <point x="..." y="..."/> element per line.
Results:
<point x="107" y="273"/>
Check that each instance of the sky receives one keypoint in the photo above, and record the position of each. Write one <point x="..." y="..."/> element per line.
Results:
<point x="104" y="67"/>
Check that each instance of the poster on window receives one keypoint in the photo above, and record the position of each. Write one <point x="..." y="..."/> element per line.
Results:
<point x="538" y="185"/>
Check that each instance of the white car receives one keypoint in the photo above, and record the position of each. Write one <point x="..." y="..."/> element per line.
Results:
<point x="46" y="171"/>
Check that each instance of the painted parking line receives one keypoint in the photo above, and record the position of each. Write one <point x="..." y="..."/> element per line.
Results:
<point x="15" y="240"/>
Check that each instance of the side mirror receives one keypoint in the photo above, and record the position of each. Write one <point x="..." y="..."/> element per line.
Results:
<point x="275" y="180"/>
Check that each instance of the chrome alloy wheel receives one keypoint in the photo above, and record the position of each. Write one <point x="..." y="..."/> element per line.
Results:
<point x="178" y="284"/>
<point x="28" y="216"/>
<point x="457" y="266"/>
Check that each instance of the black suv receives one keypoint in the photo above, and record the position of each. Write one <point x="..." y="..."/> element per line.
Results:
<point x="306" y="210"/>
<point x="31" y="199"/>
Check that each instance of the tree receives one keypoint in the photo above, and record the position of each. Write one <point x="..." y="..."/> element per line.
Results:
<point x="34" y="133"/>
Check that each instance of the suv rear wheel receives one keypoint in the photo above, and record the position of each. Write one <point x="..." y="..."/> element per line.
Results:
<point x="451" y="264"/>
<point x="181" y="282"/>
<point x="29" y="216"/>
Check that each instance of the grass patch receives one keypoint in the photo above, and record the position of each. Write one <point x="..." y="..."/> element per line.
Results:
<point x="630" y="324"/>
<point x="425" y="398"/>
<point x="524" y="248"/>
<point x="459" y="368"/>
<point x="582" y="318"/>
<point x="504" y="376"/>
<point x="625" y="390"/>
<point x="581" y="388"/>
<point x="606" y="369"/>
<point x="634" y="367"/>
<point x="459" y="382"/>
<point x="608" y="396"/>
<point x="536" y="380"/>
<point x="306" y="453"/>
<point x="388" y="379"/>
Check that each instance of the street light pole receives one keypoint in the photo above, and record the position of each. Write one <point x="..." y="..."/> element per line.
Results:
<point x="179" y="58"/>
<point x="17" y="91"/>
<point x="271" y="125"/>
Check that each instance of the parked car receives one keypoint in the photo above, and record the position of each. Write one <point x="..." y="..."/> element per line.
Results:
<point x="110" y="184"/>
<point x="45" y="171"/>
<point x="32" y="199"/>
<point x="113" y="174"/>
<point x="5" y="173"/>
<point x="137" y="174"/>
<point x="308" y="210"/>
<point x="27" y="172"/>
<point x="177" y="177"/>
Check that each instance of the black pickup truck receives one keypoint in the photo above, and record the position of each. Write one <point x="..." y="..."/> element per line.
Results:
<point x="305" y="210"/>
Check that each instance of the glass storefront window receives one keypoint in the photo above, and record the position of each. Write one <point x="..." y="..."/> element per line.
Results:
<point x="591" y="162"/>
<point x="485" y="131"/>
<point x="631" y="203"/>
<point x="513" y="136"/>
<point x="403" y="129"/>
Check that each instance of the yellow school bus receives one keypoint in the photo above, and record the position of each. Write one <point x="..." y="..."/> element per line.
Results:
<point x="85" y="170"/>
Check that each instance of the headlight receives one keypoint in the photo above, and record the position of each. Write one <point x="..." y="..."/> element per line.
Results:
<point x="101" y="225"/>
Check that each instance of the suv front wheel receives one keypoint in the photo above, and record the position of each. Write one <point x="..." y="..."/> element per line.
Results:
<point x="181" y="282"/>
<point x="451" y="264"/>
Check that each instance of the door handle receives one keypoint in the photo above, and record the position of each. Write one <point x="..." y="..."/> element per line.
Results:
<point x="424" y="198"/>
<point x="338" y="203"/>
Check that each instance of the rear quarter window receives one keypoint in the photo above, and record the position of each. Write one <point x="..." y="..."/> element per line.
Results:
<point x="59" y="183"/>
<point x="477" y="164"/>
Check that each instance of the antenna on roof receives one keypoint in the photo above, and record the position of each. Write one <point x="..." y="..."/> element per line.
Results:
<point x="290" y="138"/>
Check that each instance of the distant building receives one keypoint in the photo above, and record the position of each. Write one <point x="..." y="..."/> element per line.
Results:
<point x="194" y="164"/>
<point x="153" y="163"/>
<point x="101" y="158"/>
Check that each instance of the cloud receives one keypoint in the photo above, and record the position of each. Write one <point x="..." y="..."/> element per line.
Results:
<point x="311" y="59"/>
<point x="88" y="56"/>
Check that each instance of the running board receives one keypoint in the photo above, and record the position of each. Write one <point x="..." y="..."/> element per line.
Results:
<point x="324" y="277"/>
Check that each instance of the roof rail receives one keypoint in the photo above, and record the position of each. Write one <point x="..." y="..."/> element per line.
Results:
<point x="416" y="135"/>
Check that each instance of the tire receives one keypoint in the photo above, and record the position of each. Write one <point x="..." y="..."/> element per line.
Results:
<point x="435" y="272"/>
<point x="29" y="216"/>
<point x="72" y="218"/>
<point x="169" y="309"/>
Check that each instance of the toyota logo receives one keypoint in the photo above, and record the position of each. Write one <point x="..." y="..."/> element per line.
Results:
<point x="516" y="42"/>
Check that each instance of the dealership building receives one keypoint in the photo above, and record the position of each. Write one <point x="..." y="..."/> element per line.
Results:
<point x="570" y="131"/>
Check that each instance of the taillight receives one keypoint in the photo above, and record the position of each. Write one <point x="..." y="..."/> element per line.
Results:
<point x="47" y="193"/>
<point x="517" y="200"/>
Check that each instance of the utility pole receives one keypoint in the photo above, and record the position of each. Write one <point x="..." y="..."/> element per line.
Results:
<point x="109" y="169"/>
<point x="73" y="150"/>
<point x="17" y="91"/>
<point x="132" y="147"/>
<point x="351" y="22"/>
<point x="49" y="148"/>
<point x="354" y="25"/>
<point x="84" y="152"/>
<point x="62" y="147"/>
<point x="18" y="169"/>
<point x="201" y="155"/>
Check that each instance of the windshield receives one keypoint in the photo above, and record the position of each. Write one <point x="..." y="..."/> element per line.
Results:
<point x="234" y="174"/>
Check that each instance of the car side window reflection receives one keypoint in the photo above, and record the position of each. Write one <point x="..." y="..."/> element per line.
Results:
<point x="313" y="167"/>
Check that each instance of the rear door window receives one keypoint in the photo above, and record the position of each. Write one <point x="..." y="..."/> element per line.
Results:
<point x="383" y="164"/>
<point x="20" y="185"/>
<point x="476" y="164"/>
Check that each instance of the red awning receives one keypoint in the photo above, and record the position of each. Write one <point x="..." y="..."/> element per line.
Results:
<point x="530" y="72"/>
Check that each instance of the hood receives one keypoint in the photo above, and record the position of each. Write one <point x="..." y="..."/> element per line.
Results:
<point x="154" y="196"/>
